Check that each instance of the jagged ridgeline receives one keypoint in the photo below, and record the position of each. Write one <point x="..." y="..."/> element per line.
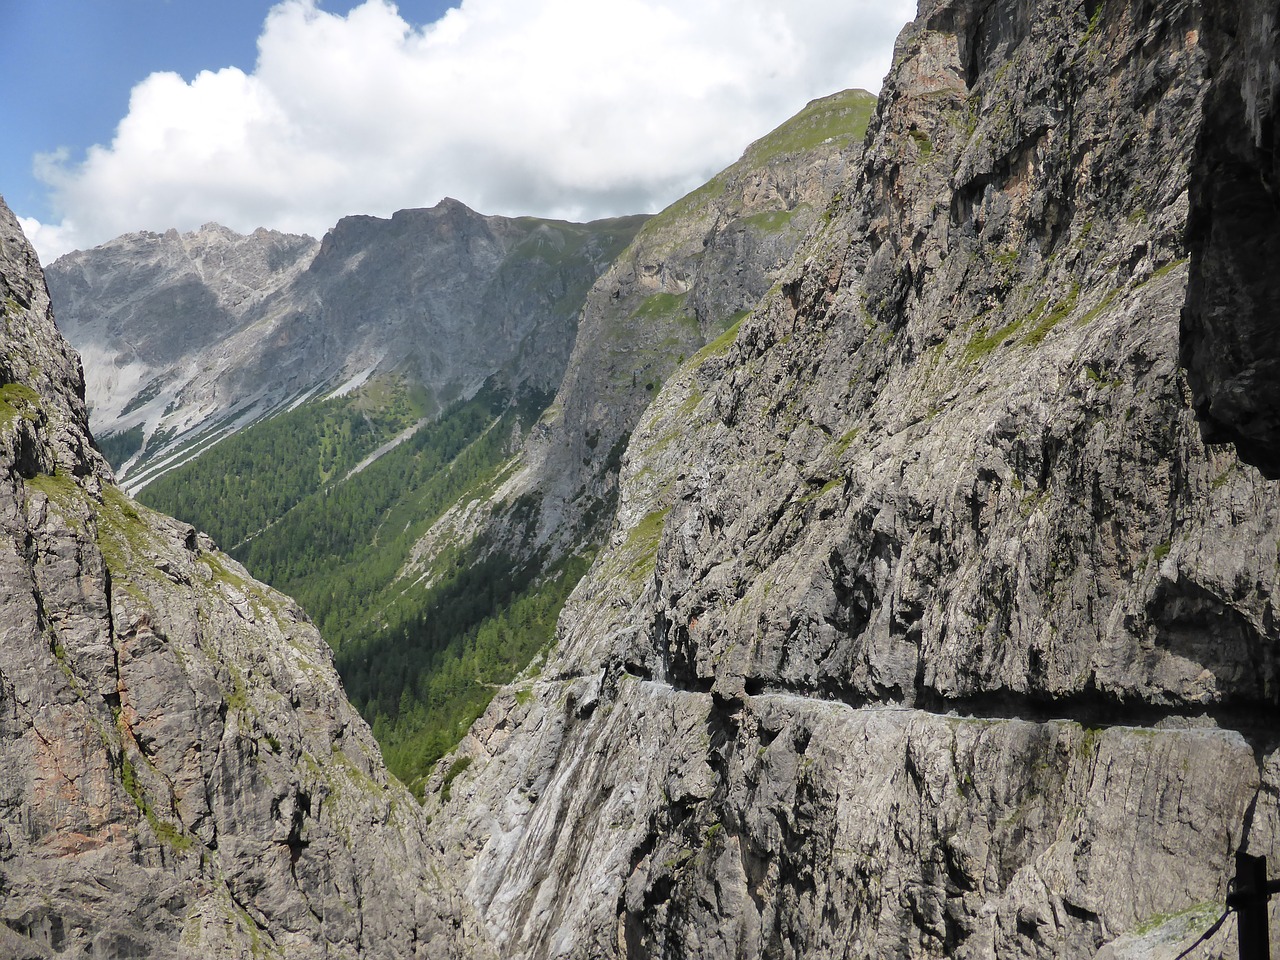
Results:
<point x="189" y="338"/>
<point x="419" y="538"/>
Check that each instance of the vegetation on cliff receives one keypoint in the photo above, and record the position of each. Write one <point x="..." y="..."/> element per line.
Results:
<point x="421" y="654"/>
<point x="425" y="629"/>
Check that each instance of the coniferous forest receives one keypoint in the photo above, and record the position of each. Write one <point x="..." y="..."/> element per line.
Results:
<point x="421" y="651"/>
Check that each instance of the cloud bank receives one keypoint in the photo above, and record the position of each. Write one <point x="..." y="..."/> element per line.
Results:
<point x="561" y="108"/>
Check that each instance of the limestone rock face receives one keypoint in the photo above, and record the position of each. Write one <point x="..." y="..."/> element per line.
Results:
<point x="930" y="624"/>
<point x="144" y="309"/>
<point x="206" y="331"/>
<point x="183" y="775"/>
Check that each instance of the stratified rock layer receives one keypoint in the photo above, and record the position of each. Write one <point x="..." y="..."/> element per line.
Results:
<point x="929" y="625"/>
<point x="183" y="776"/>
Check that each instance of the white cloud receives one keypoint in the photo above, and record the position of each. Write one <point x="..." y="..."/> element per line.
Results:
<point x="571" y="108"/>
<point x="51" y="240"/>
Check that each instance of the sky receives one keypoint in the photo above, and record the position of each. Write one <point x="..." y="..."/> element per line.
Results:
<point x="125" y="115"/>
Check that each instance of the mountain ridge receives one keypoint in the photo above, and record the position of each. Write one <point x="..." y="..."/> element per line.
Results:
<point x="211" y="331"/>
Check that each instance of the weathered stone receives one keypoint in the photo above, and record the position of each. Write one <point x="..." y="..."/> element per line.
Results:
<point x="689" y="275"/>
<point x="929" y="625"/>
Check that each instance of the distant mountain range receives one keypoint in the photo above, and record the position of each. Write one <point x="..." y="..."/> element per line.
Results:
<point x="187" y="338"/>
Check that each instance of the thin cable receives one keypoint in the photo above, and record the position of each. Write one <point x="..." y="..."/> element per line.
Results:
<point x="1207" y="934"/>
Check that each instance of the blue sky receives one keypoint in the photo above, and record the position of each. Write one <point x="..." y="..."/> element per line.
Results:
<point x="68" y="67"/>
<point x="157" y="113"/>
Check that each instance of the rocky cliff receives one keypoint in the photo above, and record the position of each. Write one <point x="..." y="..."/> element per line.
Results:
<point x="937" y="619"/>
<point x="691" y="273"/>
<point x="183" y="775"/>
<point x="202" y="333"/>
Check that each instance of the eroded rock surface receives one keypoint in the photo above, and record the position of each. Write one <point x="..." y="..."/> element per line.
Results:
<point x="933" y="621"/>
<point x="930" y="624"/>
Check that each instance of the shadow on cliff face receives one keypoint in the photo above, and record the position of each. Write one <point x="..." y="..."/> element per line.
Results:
<point x="1231" y="321"/>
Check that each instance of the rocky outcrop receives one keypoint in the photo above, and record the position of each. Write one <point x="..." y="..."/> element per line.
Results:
<point x="930" y="624"/>
<point x="183" y="775"/>
<point x="463" y="296"/>
<point x="691" y="273"/>
<point x="201" y="334"/>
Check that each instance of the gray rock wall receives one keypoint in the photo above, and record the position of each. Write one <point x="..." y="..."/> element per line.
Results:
<point x="936" y="618"/>
<point x="149" y="313"/>
<point x="929" y="625"/>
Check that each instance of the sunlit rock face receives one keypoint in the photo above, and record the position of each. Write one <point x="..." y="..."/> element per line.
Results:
<point x="932" y="622"/>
